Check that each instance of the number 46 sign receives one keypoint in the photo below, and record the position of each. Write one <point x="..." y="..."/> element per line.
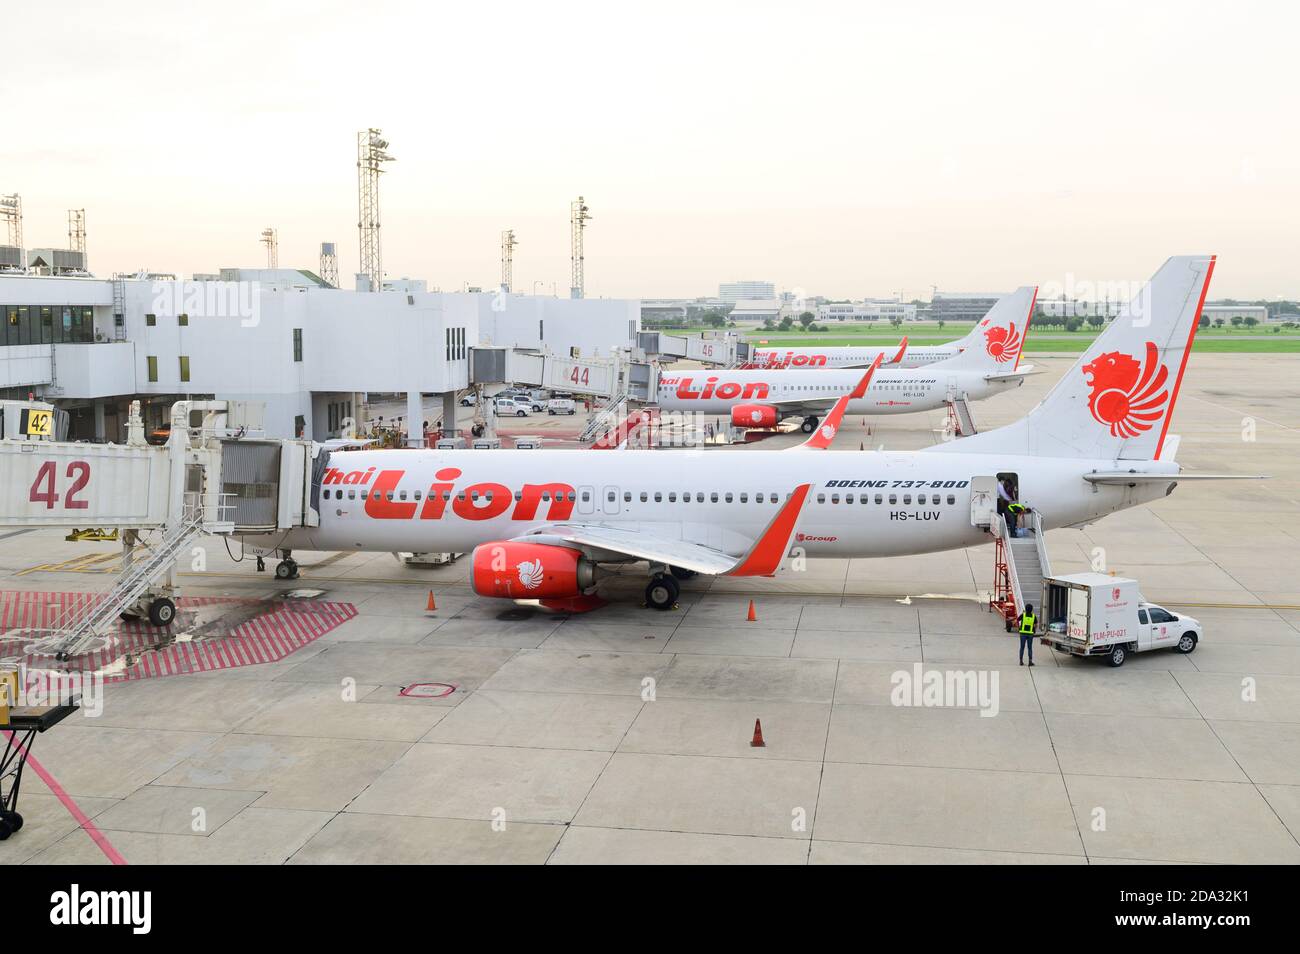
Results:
<point x="44" y="488"/>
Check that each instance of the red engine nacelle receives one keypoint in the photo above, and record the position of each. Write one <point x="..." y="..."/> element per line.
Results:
<point x="521" y="571"/>
<point x="754" y="415"/>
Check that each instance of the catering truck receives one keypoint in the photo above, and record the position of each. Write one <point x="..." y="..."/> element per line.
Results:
<point x="1091" y="614"/>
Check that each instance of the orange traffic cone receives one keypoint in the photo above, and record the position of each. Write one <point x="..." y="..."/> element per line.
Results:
<point x="432" y="605"/>
<point x="758" y="742"/>
<point x="752" y="617"/>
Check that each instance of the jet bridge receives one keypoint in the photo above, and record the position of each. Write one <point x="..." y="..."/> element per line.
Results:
<point x="216" y="475"/>
<point x="724" y="349"/>
<point x="601" y="377"/>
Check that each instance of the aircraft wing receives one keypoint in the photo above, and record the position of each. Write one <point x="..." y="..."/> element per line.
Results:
<point x="638" y="544"/>
<point x="803" y="407"/>
<point x="822" y="437"/>
<point x="599" y="542"/>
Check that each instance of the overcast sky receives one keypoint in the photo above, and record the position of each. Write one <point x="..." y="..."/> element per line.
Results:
<point x="834" y="148"/>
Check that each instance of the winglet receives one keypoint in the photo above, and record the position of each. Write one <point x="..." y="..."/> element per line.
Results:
<point x="822" y="437"/>
<point x="902" y="350"/>
<point x="765" y="556"/>
<point x="861" y="390"/>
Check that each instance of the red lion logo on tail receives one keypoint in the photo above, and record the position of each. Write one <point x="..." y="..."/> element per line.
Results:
<point x="1127" y="395"/>
<point x="1002" y="344"/>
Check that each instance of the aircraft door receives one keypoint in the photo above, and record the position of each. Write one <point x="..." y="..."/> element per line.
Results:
<point x="609" y="501"/>
<point x="983" y="501"/>
<point x="586" y="500"/>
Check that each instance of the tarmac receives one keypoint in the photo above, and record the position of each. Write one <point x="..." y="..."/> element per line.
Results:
<point x="480" y="732"/>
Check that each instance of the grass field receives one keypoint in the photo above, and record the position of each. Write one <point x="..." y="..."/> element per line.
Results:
<point x="1208" y="340"/>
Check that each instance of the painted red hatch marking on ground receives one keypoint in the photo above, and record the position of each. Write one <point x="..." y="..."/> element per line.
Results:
<point x="284" y="626"/>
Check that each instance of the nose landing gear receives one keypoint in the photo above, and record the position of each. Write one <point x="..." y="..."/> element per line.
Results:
<point x="287" y="568"/>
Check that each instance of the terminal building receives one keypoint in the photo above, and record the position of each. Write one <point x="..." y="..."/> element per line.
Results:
<point x="962" y="306"/>
<point x="1229" y="312"/>
<point x="283" y="337"/>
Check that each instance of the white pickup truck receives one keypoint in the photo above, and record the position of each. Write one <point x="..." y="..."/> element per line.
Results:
<point x="1091" y="614"/>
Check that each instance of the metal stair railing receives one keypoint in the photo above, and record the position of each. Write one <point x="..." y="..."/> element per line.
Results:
<point x="97" y="617"/>
<point x="605" y="419"/>
<point x="1009" y="548"/>
<point x="1027" y="550"/>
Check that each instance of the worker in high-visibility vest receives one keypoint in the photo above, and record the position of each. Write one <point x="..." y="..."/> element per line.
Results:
<point x="1014" y="510"/>
<point x="1027" y="624"/>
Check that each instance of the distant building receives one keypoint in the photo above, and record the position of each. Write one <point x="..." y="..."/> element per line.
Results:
<point x="1228" y="312"/>
<point x="866" y="311"/>
<point x="961" y="306"/>
<point x="757" y="310"/>
<point x="744" y="291"/>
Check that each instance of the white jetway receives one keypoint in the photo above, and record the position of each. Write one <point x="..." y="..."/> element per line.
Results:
<point x="719" y="348"/>
<point x="602" y="377"/>
<point x="219" y="476"/>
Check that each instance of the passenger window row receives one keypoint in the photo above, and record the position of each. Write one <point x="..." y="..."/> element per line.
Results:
<point x="337" y="494"/>
<point x="659" y="497"/>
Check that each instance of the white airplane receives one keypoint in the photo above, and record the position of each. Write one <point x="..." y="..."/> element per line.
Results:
<point x="542" y="524"/>
<point x="861" y="356"/>
<point x="766" y="397"/>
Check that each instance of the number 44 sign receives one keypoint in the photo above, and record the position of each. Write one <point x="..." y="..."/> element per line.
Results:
<point x="44" y="488"/>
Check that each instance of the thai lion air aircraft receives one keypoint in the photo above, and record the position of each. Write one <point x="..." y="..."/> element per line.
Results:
<point x="543" y="523"/>
<point x="861" y="356"/>
<point x="766" y="397"/>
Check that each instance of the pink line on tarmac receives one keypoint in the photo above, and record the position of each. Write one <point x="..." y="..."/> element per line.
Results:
<point x="97" y="836"/>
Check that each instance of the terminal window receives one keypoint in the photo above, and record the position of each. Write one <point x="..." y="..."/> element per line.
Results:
<point x="185" y="367"/>
<point x="153" y="368"/>
<point x="297" y="344"/>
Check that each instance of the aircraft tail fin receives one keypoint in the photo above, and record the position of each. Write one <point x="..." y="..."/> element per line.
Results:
<point x="1117" y="401"/>
<point x="997" y="339"/>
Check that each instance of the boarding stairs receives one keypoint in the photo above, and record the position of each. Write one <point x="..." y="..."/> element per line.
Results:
<point x="605" y="419"/>
<point x="81" y="626"/>
<point x="961" y="423"/>
<point x="1020" y="563"/>
<point x="635" y="430"/>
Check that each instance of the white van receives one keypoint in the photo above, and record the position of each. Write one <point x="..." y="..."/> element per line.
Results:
<point x="505" y="407"/>
<point x="1092" y="614"/>
<point x="561" y="406"/>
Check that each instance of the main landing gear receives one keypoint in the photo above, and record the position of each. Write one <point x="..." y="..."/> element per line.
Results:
<point x="662" y="592"/>
<point x="809" y="424"/>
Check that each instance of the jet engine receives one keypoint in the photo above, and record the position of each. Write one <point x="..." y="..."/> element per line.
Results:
<point x="754" y="415"/>
<point x="519" y="571"/>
